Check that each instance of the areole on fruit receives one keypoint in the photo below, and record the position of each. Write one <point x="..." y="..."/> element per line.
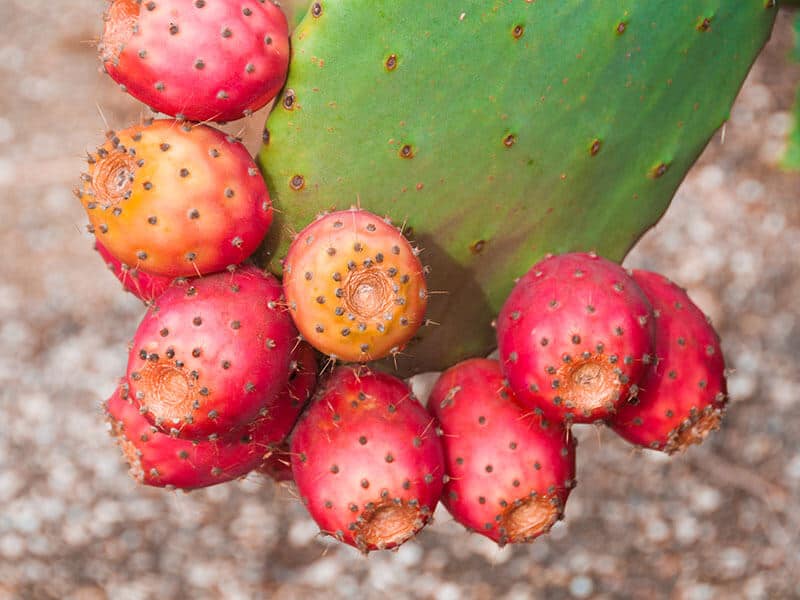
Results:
<point x="112" y="177"/>
<point x="530" y="518"/>
<point x="696" y="428"/>
<point x="132" y="455"/>
<point x="367" y="293"/>
<point x="388" y="524"/>
<point x="120" y="23"/>
<point x="589" y="385"/>
<point x="170" y="391"/>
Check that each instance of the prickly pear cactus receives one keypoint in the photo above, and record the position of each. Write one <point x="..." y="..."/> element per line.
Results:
<point x="500" y="131"/>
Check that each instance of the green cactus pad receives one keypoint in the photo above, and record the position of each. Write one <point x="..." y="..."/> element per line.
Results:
<point x="294" y="10"/>
<point x="499" y="131"/>
<point x="791" y="158"/>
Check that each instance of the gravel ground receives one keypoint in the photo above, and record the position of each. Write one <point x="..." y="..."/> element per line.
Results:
<point x="721" y="521"/>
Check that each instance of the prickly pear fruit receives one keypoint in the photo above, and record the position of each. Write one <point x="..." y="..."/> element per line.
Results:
<point x="302" y="382"/>
<point x="355" y="287"/>
<point x="142" y="285"/>
<point x="575" y="336"/>
<point x="201" y="60"/>
<point x="367" y="460"/>
<point x="175" y="199"/>
<point x="211" y="354"/>
<point x="509" y="473"/>
<point x="683" y="395"/>
<point x="161" y="460"/>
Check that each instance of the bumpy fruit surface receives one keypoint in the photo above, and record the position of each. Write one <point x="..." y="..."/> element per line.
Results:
<point x="203" y="60"/>
<point x="175" y="199"/>
<point x="575" y="336"/>
<point x="142" y="285"/>
<point x="367" y="460"/>
<point x="160" y="460"/>
<point x="683" y="395"/>
<point x="509" y="474"/>
<point x="355" y="287"/>
<point x="212" y="353"/>
<point x="301" y="386"/>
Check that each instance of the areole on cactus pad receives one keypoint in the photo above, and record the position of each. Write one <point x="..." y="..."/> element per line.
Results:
<point x="500" y="131"/>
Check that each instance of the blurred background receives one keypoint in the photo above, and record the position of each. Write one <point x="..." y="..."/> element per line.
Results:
<point x="721" y="521"/>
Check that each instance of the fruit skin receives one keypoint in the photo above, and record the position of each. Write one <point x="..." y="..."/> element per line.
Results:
<point x="145" y="287"/>
<point x="160" y="460"/>
<point x="571" y="132"/>
<point x="509" y="474"/>
<point x="367" y="460"/>
<point x="355" y="287"/>
<point x="278" y="465"/>
<point x="216" y="60"/>
<point x="212" y="353"/>
<point x="301" y="386"/>
<point x="175" y="199"/>
<point x="575" y="336"/>
<point x="684" y="394"/>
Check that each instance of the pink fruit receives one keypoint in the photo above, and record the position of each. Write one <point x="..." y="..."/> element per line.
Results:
<point x="145" y="287"/>
<point x="367" y="460"/>
<point x="509" y="474"/>
<point x="575" y="336"/>
<point x="212" y="353"/>
<point x="301" y="386"/>
<point x="202" y="60"/>
<point x="355" y="287"/>
<point x="683" y="396"/>
<point x="175" y="199"/>
<point x="160" y="460"/>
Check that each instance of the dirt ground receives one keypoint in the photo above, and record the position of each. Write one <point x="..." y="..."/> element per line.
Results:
<point x="721" y="521"/>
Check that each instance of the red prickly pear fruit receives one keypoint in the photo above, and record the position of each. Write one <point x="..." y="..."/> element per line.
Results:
<point x="145" y="287"/>
<point x="367" y="460"/>
<point x="575" y="336"/>
<point x="175" y="199"/>
<point x="212" y="353"/>
<point x="301" y="386"/>
<point x="160" y="460"/>
<point x="683" y="395"/>
<point x="509" y="473"/>
<point x="354" y="285"/>
<point x="195" y="59"/>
